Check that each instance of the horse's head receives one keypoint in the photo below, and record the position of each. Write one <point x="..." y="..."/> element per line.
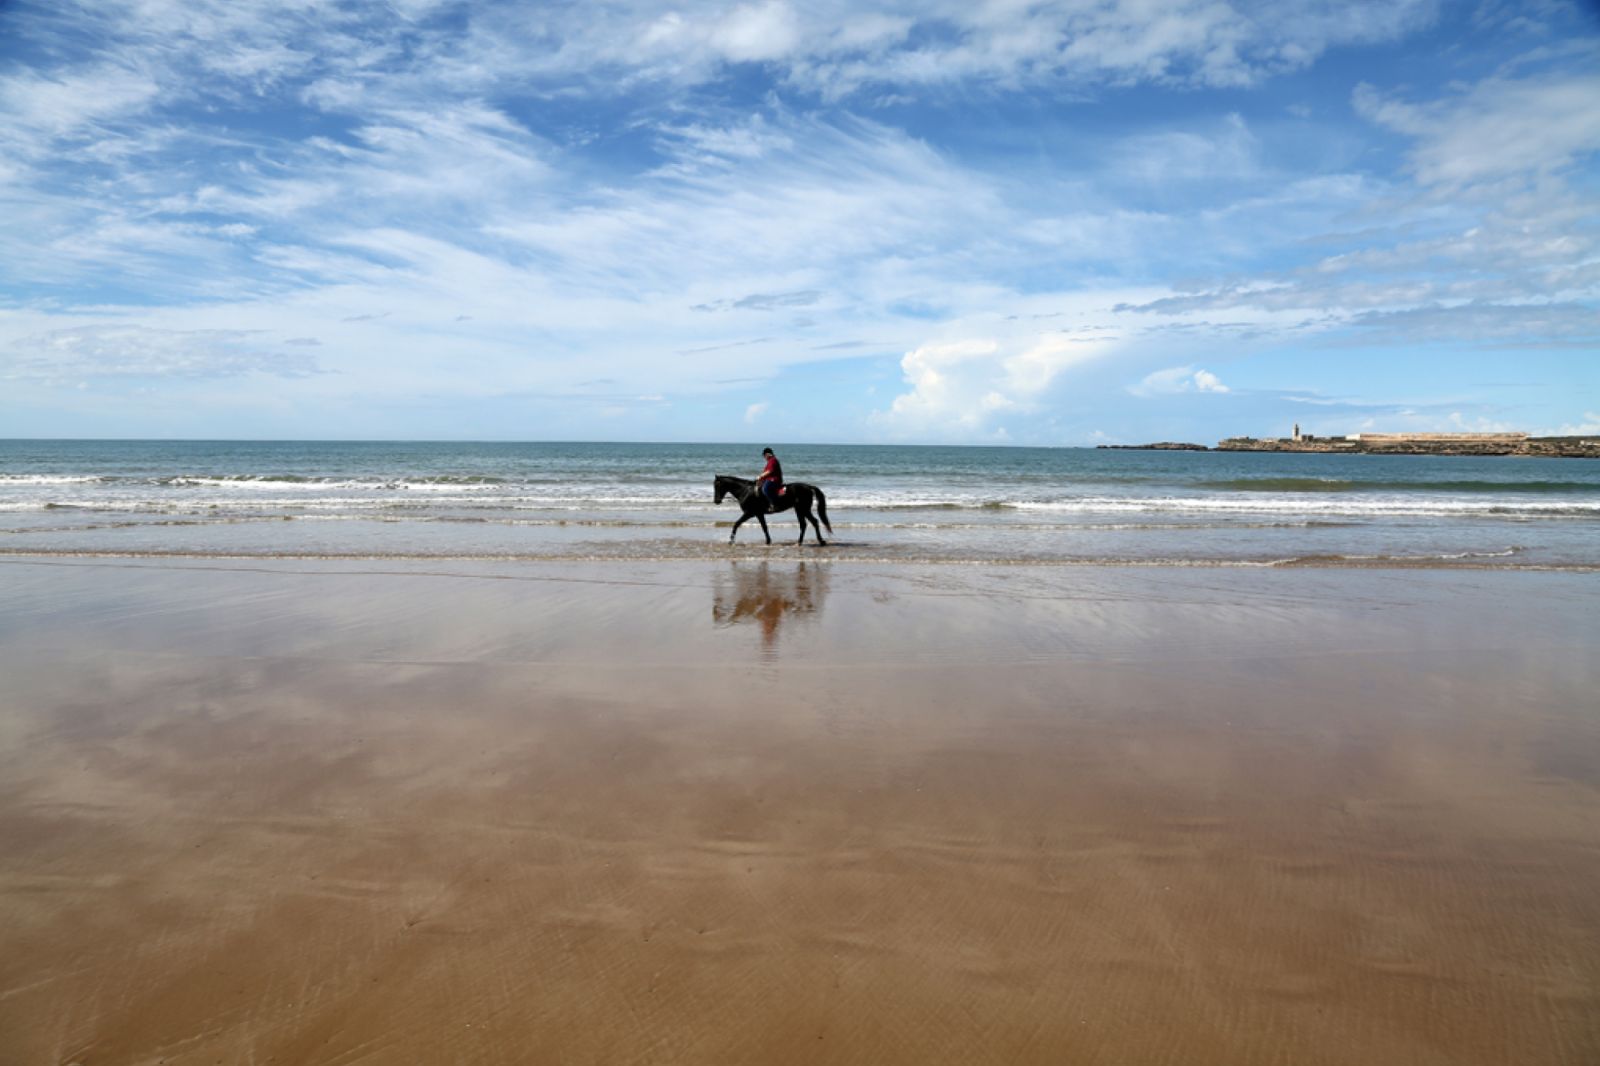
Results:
<point x="720" y="487"/>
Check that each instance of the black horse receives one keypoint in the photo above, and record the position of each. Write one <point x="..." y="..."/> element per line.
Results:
<point x="796" y="494"/>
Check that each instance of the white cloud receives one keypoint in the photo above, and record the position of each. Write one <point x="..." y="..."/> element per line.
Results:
<point x="1494" y="243"/>
<point x="755" y="32"/>
<point x="1500" y="127"/>
<point x="450" y="214"/>
<point x="68" y="356"/>
<point x="404" y="162"/>
<point x="1589" y="425"/>
<point x="1224" y="151"/>
<point x="1178" y="379"/>
<point x="1514" y="324"/>
<point x="833" y="197"/>
<point x="442" y="244"/>
<point x="836" y="47"/>
<point x="983" y="369"/>
<point x="344" y="56"/>
<point x="44" y="109"/>
<point x="702" y="143"/>
<point x="754" y="412"/>
<point x="947" y="383"/>
<point x="1479" y="424"/>
<point x="868" y="32"/>
<point x="1190" y="42"/>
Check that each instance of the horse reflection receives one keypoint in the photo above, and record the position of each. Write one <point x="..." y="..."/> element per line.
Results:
<point x="766" y="595"/>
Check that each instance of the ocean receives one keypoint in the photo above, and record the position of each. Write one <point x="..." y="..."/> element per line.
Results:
<point x="925" y="504"/>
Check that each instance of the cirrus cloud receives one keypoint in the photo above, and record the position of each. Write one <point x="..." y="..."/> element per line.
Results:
<point x="129" y="351"/>
<point x="991" y="209"/>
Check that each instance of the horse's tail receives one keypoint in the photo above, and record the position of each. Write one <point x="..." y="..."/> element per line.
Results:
<point x="822" y="508"/>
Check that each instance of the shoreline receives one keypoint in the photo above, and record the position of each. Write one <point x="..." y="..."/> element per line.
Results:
<point x="1491" y="561"/>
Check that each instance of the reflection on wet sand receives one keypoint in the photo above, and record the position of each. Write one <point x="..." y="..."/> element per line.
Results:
<point x="532" y="815"/>
<point x="764" y="595"/>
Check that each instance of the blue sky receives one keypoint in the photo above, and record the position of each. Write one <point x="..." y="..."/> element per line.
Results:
<point x="1005" y="222"/>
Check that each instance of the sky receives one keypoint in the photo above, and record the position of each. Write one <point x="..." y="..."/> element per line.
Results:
<point x="951" y="221"/>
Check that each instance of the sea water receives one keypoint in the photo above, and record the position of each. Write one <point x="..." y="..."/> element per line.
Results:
<point x="1046" y="506"/>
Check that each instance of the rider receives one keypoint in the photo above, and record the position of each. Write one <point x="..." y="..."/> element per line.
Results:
<point x="771" y="480"/>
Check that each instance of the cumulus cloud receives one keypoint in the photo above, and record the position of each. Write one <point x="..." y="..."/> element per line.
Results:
<point x="1463" y="423"/>
<point x="1177" y="380"/>
<point x="754" y="412"/>
<point x="948" y="382"/>
<point x="1589" y="425"/>
<point x="964" y="385"/>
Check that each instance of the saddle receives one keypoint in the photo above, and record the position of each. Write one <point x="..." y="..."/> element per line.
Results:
<point x="766" y="504"/>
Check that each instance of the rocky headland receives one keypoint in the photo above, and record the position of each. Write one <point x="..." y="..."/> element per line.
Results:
<point x="1159" y="446"/>
<point x="1548" y="447"/>
<point x="1545" y="447"/>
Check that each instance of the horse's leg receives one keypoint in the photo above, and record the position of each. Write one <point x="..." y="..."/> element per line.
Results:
<point x="763" y="520"/>
<point x="816" y="526"/>
<point x="736" y="526"/>
<point x="800" y="514"/>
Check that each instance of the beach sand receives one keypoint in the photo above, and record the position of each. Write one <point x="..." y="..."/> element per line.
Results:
<point x="796" y="812"/>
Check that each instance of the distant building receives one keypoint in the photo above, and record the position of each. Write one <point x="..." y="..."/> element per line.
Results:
<point x="1296" y="432"/>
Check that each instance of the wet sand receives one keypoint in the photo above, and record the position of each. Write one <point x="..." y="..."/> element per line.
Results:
<point x="796" y="813"/>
